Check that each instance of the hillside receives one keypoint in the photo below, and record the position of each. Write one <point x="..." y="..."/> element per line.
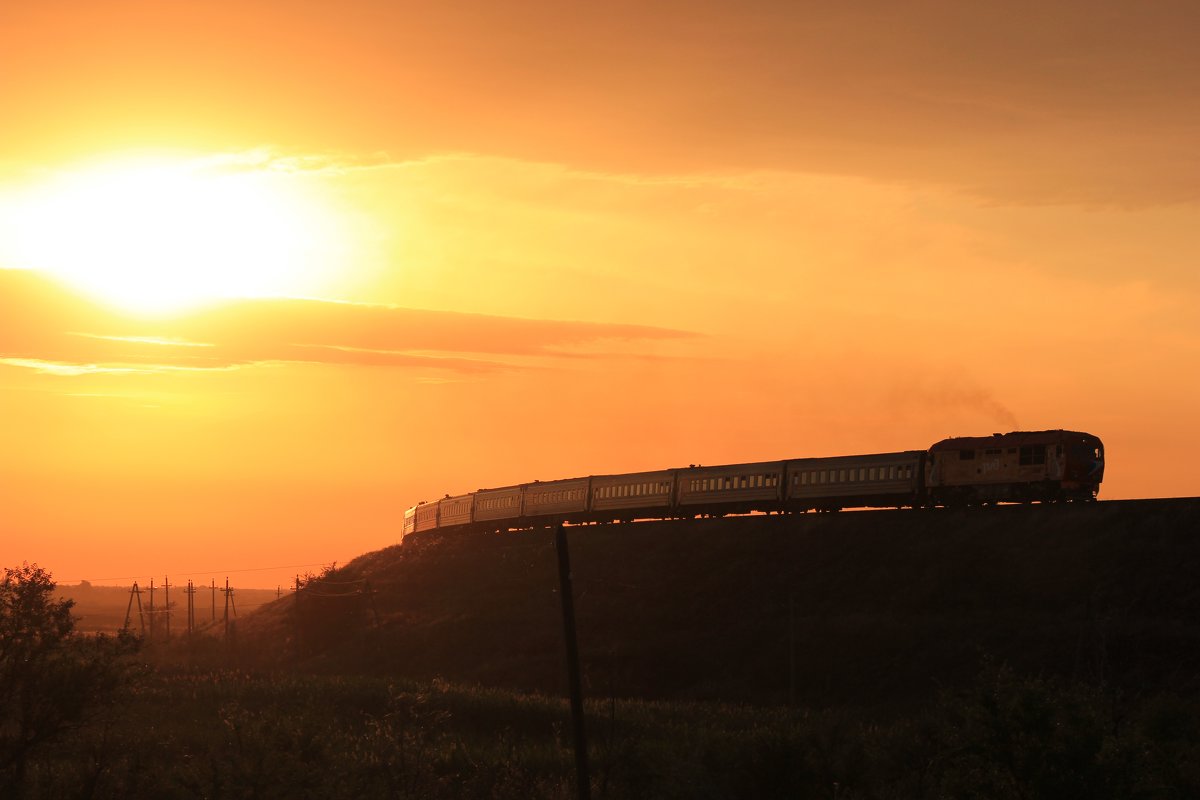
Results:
<point x="876" y="609"/>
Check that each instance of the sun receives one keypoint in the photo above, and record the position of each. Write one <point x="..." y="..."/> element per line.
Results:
<point x="160" y="235"/>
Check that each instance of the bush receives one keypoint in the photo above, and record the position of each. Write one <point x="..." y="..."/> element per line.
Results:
<point x="49" y="678"/>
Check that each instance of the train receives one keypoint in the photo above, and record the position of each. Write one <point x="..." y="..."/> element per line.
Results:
<point x="1015" y="467"/>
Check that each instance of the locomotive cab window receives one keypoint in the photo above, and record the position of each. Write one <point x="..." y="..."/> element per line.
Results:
<point x="966" y="455"/>
<point x="1032" y="456"/>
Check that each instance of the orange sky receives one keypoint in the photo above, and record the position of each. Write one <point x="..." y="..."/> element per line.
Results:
<point x="546" y="240"/>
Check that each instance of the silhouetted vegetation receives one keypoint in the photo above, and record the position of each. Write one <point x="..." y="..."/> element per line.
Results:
<point x="228" y="733"/>
<point x="49" y="678"/>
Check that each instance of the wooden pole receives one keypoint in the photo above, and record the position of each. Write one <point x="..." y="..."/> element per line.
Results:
<point x="792" y="649"/>
<point x="227" y="609"/>
<point x="214" y="599"/>
<point x="152" y="608"/>
<point x="135" y="592"/>
<point x="167" y="604"/>
<point x="582" y="778"/>
<point x="191" y="591"/>
<point x="297" y="613"/>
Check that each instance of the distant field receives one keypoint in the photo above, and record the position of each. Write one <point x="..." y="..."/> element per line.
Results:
<point x="102" y="609"/>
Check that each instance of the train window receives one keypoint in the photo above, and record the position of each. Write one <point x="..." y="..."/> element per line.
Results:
<point x="966" y="455"/>
<point x="822" y="476"/>
<point x="994" y="451"/>
<point x="871" y="473"/>
<point x="841" y="476"/>
<point x="1032" y="456"/>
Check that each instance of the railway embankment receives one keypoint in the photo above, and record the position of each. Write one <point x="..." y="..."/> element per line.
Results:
<point x="879" y="609"/>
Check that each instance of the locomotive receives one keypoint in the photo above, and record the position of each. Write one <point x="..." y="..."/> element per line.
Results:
<point x="1016" y="467"/>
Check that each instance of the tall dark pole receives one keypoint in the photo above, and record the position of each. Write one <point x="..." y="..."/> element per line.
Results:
<point x="583" y="780"/>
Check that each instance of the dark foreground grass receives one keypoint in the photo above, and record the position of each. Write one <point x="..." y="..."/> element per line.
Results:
<point x="177" y="732"/>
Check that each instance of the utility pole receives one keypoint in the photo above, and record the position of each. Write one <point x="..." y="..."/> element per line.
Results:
<point x="152" y="608"/>
<point x="134" y="591"/>
<point x="297" y="613"/>
<point x="791" y="649"/>
<point x="214" y="599"/>
<point x="229" y="601"/>
<point x="583" y="780"/>
<point x="167" y="604"/>
<point x="191" y="609"/>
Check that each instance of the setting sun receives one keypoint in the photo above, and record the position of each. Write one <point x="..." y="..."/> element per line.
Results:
<point x="161" y="235"/>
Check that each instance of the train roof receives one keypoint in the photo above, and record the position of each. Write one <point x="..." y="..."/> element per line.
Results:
<point x="1014" y="439"/>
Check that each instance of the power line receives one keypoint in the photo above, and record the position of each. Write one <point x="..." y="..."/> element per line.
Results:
<point x="191" y="572"/>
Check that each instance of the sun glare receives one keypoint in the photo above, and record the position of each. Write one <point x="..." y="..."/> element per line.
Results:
<point x="159" y="236"/>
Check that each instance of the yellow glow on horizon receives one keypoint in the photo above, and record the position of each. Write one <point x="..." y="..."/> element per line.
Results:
<point x="163" y="235"/>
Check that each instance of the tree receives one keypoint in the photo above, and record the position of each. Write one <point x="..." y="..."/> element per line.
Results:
<point x="48" y="677"/>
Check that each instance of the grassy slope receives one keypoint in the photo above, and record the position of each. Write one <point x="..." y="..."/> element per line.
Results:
<point x="884" y="608"/>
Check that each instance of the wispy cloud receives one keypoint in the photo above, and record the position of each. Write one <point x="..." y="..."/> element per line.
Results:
<point x="159" y="340"/>
<point x="68" y="336"/>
